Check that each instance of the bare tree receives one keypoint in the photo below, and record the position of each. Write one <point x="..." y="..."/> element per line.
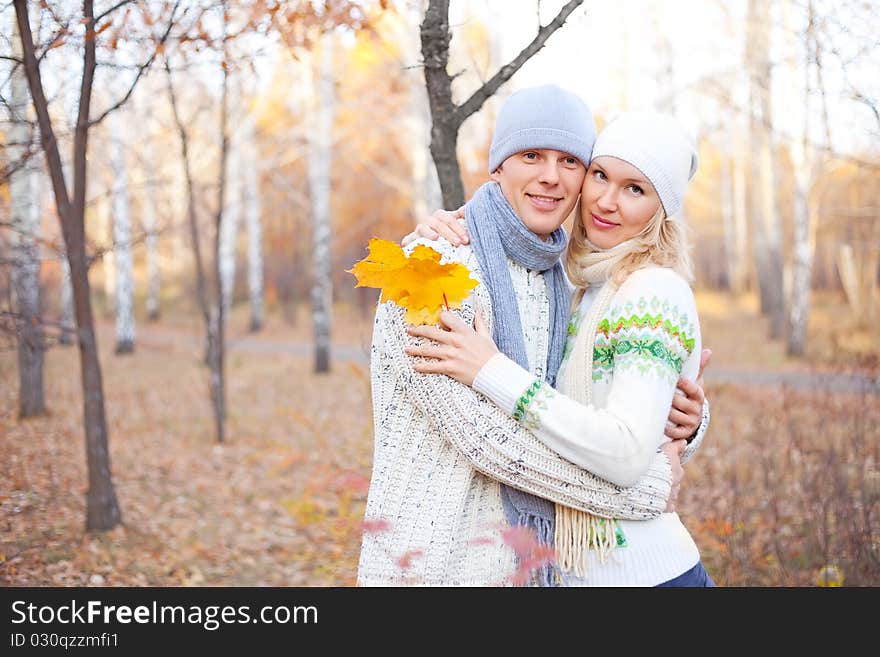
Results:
<point x="102" y="507"/>
<point x="208" y="289"/>
<point x="446" y="116"/>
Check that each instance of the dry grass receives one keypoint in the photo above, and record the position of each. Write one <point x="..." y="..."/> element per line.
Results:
<point x="787" y="482"/>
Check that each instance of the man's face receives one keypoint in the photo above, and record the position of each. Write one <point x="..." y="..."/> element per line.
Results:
<point x="542" y="186"/>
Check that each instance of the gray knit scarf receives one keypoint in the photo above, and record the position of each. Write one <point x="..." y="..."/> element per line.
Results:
<point x="496" y="234"/>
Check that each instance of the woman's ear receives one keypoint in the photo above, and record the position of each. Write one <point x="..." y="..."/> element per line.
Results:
<point x="495" y="175"/>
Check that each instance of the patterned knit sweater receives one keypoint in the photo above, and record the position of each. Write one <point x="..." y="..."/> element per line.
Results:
<point x="645" y="340"/>
<point x="434" y="514"/>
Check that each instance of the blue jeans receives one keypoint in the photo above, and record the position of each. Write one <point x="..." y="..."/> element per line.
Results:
<point x="696" y="576"/>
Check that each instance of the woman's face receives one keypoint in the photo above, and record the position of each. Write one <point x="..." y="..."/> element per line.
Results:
<point x="617" y="202"/>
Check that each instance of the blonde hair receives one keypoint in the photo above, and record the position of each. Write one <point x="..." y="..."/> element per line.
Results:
<point x="662" y="242"/>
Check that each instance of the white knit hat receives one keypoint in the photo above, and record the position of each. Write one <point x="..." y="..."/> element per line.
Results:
<point x="542" y="117"/>
<point x="656" y="145"/>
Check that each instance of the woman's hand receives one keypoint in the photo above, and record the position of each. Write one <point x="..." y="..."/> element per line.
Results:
<point x="460" y="352"/>
<point x="441" y="223"/>
<point x="686" y="413"/>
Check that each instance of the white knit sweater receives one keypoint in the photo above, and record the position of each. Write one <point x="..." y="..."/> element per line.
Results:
<point x="434" y="514"/>
<point x="647" y="338"/>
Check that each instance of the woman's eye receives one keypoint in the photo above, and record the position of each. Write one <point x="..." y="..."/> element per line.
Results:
<point x="635" y="189"/>
<point x="599" y="175"/>
<point x="530" y="156"/>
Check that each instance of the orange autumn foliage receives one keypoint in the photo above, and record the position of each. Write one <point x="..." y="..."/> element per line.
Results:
<point x="418" y="283"/>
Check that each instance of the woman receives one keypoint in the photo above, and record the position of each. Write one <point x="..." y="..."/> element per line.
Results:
<point x="634" y="331"/>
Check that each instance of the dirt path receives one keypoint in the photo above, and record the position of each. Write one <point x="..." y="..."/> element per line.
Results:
<point x="160" y="337"/>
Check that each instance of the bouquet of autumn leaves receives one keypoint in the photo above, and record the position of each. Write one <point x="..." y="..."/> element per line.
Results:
<point x="418" y="283"/>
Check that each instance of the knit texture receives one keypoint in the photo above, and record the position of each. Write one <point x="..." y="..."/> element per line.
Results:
<point x="542" y="117"/>
<point x="656" y="145"/>
<point x="645" y="338"/>
<point x="441" y="449"/>
<point x="497" y="236"/>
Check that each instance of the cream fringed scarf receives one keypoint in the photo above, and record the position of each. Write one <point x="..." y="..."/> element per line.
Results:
<point x="578" y="531"/>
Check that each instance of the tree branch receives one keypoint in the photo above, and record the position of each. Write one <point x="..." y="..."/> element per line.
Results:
<point x="481" y="95"/>
<point x="63" y="32"/>
<point x="142" y="69"/>
<point x="55" y="247"/>
<point x="112" y="9"/>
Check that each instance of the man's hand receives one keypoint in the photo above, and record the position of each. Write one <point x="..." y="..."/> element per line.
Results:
<point x="673" y="451"/>
<point x="441" y="223"/>
<point x="686" y="413"/>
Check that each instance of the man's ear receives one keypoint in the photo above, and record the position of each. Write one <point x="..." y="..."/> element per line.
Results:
<point x="495" y="175"/>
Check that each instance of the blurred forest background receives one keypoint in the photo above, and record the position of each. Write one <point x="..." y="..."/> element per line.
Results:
<point x="184" y="384"/>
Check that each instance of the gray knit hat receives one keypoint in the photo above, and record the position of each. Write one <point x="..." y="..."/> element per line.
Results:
<point x="543" y="117"/>
<point x="656" y="145"/>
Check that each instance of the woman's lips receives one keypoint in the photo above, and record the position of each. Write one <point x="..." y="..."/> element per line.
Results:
<point x="599" y="222"/>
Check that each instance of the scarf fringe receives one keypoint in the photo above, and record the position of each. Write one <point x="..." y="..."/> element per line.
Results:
<point x="577" y="532"/>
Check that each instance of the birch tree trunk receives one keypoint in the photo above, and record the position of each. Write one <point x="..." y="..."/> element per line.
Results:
<point x="231" y="220"/>
<point x="808" y="164"/>
<point x="254" y="231"/>
<point x="121" y="218"/>
<point x="766" y="232"/>
<point x="802" y="265"/>
<point x="104" y="216"/>
<point x="24" y="192"/>
<point x="725" y="171"/>
<point x="67" y="318"/>
<point x="217" y="323"/>
<point x="67" y="321"/>
<point x="150" y="214"/>
<point x="319" y="185"/>
<point x="740" y="226"/>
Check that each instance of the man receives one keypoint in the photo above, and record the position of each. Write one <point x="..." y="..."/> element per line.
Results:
<point x="451" y="471"/>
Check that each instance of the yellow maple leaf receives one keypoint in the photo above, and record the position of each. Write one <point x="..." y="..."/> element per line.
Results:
<point x="418" y="283"/>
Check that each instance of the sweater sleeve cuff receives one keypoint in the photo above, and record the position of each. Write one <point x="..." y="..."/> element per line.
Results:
<point x="503" y="381"/>
<point x="696" y="441"/>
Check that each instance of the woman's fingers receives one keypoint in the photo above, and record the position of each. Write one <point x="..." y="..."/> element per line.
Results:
<point x="429" y="332"/>
<point x="678" y="432"/>
<point x="687" y="405"/>
<point x="452" y="321"/>
<point x="692" y="390"/>
<point x="677" y="417"/>
<point x="427" y="351"/>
